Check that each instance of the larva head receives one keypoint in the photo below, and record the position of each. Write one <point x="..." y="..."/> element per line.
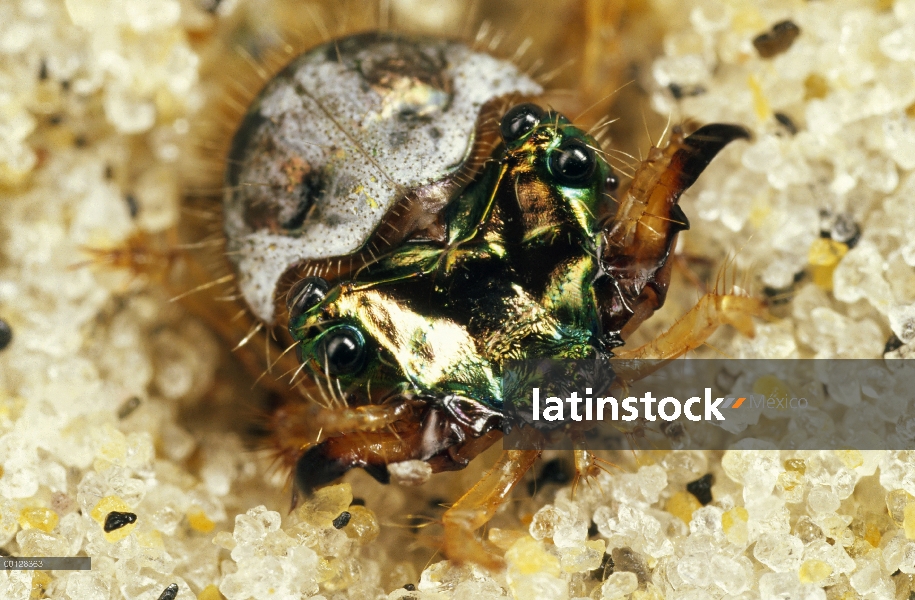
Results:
<point x="559" y="175"/>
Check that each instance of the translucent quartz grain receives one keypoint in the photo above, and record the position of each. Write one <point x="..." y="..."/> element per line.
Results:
<point x="733" y="575"/>
<point x="619" y="585"/>
<point x="41" y="518"/>
<point x="88" y="586"/>
<point x="779" y="552"/>
<point x="822" y="499"/>
<point x="869" y="578"/>
<point x="693" y="570"/>
<point x="533" y="572"/>
<point x="363" y="525"/>
<point x="682" y="505"/>
<point x="584" y="557"/>
<point x="734" y="525"/>
<point x="566" y="528"/>
<point x="268" y="560"/>
<point x="896" y="502"/>
<point x="773" y="586"/>
<point x="410" y="472"/>
<point x="908" y="521"/>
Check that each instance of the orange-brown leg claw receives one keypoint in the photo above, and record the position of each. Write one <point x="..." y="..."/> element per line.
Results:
<point x="479" y="504"/>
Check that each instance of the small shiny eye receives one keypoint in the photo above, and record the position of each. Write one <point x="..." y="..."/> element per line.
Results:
<point x="342" y="351"/>
<point x="519" y="120"/>
<point x="306" y="294"/>
<point x="572" y="164"/>
<point x="611" y="183"/>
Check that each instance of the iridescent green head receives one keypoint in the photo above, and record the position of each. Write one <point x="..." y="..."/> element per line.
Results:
<point x="371" y="345"/>
<point x="387" y="333"/>
<point x="556" y="166"/>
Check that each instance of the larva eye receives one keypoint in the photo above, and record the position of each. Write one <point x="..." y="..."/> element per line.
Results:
<point x="519" y="121"/>
<point x="573" y="164"/>
<point x="306" y="294"/>
<point x="342" y="351"/>
<point x="612" y="183"/>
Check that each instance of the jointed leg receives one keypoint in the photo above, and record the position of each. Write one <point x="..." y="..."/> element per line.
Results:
<point x="370" y="417"/>
<point x="373" y="451"/>
<point x="695" y="327"/>
<point x="587" y="465"/>
<point x="434" y="440"/>
<point x="479" y="504"/>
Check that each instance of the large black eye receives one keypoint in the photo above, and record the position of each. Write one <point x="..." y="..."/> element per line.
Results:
<point x="519" y="120"/>
<point x="572" y="164"/>
<point x="306" y="294"/>
<point x="342" y="351"/>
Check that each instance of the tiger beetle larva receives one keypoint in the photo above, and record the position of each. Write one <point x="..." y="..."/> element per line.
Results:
<point x="414" y="215"/>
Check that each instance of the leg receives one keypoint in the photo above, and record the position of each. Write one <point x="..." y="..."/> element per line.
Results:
<point x="693" y="328"/>
<point x="479" y="504"/>
<point x="373" y="451"/>
<point x="587" y="465"/>
<point x="371" y="417"/>
<point x="433" y="438"/>
<point x="297" y="424"/>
